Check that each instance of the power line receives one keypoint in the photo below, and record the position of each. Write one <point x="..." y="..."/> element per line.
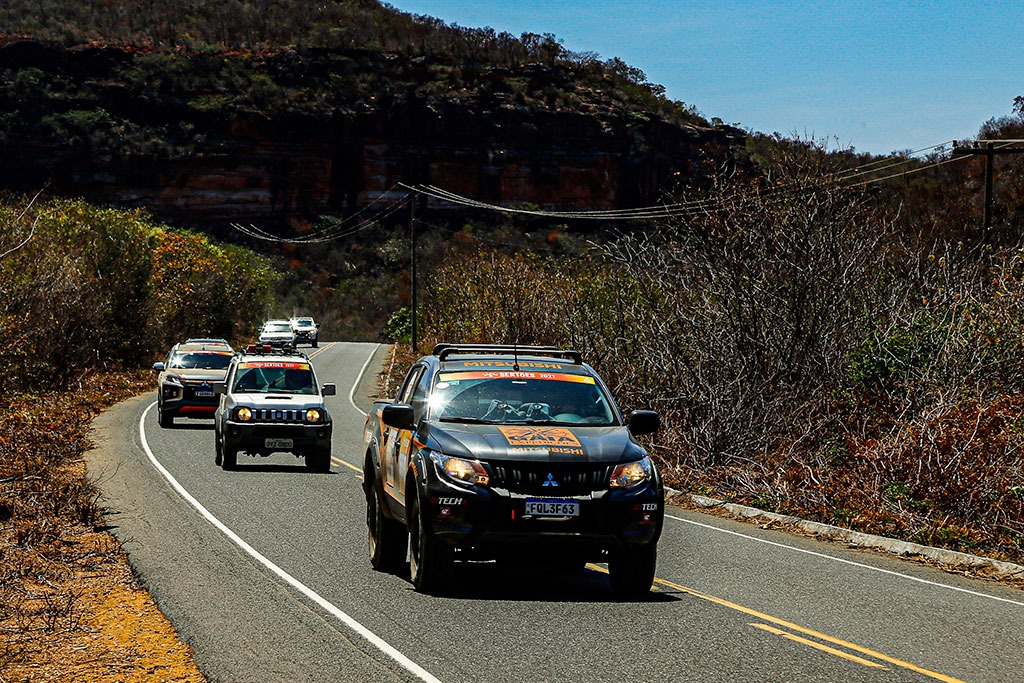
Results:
<point x="342" y="229"/>
<point x="684" y="209"/>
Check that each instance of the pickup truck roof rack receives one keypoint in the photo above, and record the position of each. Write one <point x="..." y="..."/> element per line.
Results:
<point x="442" y="351"/>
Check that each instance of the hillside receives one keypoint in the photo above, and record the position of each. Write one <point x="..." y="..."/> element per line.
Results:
<point x="276" y="113"/>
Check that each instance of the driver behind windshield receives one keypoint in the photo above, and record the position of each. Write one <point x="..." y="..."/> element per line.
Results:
<point x="517" y="400"/>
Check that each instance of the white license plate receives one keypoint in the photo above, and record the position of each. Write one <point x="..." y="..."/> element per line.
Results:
<point x="552" y="507"/>
<point x="278" y="443"/>
<point x="200" y="393"/>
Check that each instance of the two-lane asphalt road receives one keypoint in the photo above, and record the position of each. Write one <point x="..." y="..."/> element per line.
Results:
<point x="264" y="572"/>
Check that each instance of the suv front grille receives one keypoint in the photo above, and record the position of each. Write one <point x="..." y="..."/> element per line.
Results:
<point x="277" y="415"/>
<point x="551" y="479"/>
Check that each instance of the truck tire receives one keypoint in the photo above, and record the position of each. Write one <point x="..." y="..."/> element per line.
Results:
<point x="319" y="460"/>
<point x="388" y="539"/>
<point x="165" y="418"/>
<point x="428" y="557"/>
<point x="632" y="570"/>
<point x="229" y="457"/>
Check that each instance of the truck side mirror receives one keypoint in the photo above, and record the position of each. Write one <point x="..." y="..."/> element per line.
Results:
<point x="219" y="387"/>
<point x="644" y="422"/>
<point x="159" y="367"/>
<point x="329" y="389"/>
<point x="397" y="415"/>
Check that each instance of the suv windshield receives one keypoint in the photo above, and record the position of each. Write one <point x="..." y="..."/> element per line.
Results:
<point x="523" y="397"/>
<point x="199" y="360"/>
<point x="274" y="377"/>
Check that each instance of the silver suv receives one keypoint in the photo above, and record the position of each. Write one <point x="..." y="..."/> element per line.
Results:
<point x="305" y="331"/>
<point x="272" y="402"/>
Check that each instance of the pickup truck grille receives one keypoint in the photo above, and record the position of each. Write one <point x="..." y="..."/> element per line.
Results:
<point x="552" y="479"/>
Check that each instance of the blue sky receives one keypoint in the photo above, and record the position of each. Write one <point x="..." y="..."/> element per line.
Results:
<point x="877" y="76"/>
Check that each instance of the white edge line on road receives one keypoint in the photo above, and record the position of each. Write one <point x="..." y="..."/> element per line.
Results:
<point x="359" y="378"/>
<point x="319" y="600"/>
<point x="849" y="562"/>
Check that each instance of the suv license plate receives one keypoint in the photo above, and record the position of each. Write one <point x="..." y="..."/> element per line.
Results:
<point x="552" y="507"/>
<point x="278" y="443"/>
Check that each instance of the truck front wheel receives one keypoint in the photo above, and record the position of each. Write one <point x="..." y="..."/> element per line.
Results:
<point x="428" y="557"/>
<point x="632" y="570"/>
<point x="319" y="460"/>
<point x="388" y="538"/>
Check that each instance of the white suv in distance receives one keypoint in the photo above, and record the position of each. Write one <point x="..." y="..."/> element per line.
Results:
<point x="305" y="331"/>
<point x="277" y="333"/>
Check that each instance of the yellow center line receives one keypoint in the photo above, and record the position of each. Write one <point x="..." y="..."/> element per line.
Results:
<point x="810" y="632"/>
<point x="321" y="350"/>
<point x="819" y="646"/>
<point x="339" y="461"/>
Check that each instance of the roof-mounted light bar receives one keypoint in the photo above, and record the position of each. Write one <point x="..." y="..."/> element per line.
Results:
<point x="442" y="351"/>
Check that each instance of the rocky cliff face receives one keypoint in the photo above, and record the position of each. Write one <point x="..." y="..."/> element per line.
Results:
<point x="89" y="124"/>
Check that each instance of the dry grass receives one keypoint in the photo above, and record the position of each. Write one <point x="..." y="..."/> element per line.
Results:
<point x="70" y="609"/>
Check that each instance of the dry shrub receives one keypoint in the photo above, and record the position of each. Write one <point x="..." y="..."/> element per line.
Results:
<point x="45" y="505"/>
<point x="805" y="357"/>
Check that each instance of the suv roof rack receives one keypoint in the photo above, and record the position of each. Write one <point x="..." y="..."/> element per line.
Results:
<point x="442" y="351"/>
<point x="268" y="350"/>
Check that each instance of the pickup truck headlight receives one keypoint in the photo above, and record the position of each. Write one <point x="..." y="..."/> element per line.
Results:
<point x="461" y="471"/>
<point x="631" y="474"/>
<point x="173" y="379"/>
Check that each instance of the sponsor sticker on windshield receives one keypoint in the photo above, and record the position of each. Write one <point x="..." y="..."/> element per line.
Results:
<point x="512" y="374"/>
<point x="274" y="364"/>
<point x="552" y="439"/>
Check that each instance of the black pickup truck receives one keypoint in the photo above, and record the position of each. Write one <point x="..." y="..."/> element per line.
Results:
<point x="506" y="453"/>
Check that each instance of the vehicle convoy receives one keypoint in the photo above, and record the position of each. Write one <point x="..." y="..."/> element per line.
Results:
<point x="305" y="330"/>
<point x="510" y="453"/>
<point x="271" y="402"/>
<point x="277" y="333"/>
<point x="185" y="382"/>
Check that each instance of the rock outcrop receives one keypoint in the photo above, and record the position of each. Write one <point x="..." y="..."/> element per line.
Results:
<point x="102" y="123"/>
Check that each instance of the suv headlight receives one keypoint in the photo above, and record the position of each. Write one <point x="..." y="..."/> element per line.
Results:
<point x="243" y="414"/>
<point x="461" y="471"/>
<point x="630" y="474"/>
<point x="314" y="415"/>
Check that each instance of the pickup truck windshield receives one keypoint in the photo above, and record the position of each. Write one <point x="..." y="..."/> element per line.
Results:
<point x="519" y="397"/>
<point x="200" y="360"/>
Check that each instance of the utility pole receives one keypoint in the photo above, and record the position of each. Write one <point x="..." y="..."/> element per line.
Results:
<point x="990" y="152"/>
<point x="412" y="269"/>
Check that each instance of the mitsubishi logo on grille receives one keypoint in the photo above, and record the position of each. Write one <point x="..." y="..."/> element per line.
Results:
<point x="550" y="480"/>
